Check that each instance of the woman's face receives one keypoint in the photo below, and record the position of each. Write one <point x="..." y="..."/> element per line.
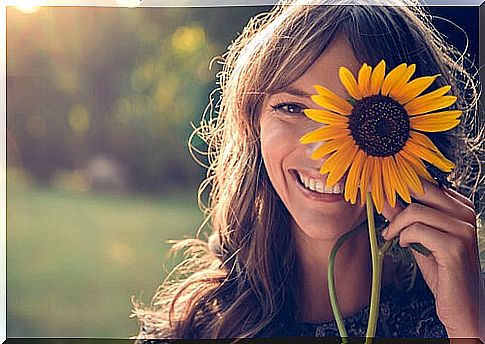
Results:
<point x="319" y="212"/>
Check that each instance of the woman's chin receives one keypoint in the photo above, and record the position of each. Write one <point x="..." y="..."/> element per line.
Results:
<point x="327" y="229"/>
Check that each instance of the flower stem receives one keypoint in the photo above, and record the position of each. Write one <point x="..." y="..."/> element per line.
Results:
<point x="331" y="283"/>
<point x="377" y="258"/>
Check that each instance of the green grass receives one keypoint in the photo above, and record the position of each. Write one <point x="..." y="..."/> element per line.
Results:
<point x="75" y="260"/>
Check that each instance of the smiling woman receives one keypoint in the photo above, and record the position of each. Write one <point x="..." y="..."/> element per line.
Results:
<point x="279" y="200"/>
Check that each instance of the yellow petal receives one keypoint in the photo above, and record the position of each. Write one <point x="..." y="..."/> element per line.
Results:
<point x="419" y="101"/>
<point x="325" y="117"/>
<point x="334" y="98"/>
<point x="431" y="105"/>
<point x="418" y="166"/>
<point x="364" y="79"/>
<point x="412" y="147"/>
<point x="387" y="182"/>
<point x="349" y="82"/>
<point x="376" y="184"/>
<point x="445" y="120"/>
<point x="377" y="78"/>
<point x="365" y="178"/>
<point x="424" y="141"/>
<point x="329" y="147"/>
<point x="325" y="133"/>
<point x="414" y="88"/>
<point x="338" y="163"/>
<point x="409" y="175"/>
<point x="400" y="82"/>
<point x="343" y="108"/>
<point x="392" y="78"/>
<point x="352" y="182"/>
<point x="435" y="126"/>
<point x="397" y="181"/>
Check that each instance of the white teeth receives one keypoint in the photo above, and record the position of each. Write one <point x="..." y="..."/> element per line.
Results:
<point x="318" y="186"/>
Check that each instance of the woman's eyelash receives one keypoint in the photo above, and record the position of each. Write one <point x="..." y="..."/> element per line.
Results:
<point x="289" y="108"/>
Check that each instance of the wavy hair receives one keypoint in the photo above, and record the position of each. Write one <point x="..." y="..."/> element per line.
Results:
<point x="241" y="280"/>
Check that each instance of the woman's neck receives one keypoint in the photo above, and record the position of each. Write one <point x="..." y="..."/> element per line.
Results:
<point x="353" y="276"/>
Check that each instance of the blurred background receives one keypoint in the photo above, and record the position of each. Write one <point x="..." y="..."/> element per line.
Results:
<point x="99" y="176"/>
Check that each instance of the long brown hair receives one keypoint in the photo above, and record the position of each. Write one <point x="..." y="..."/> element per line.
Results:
<point x="243" y="280"/>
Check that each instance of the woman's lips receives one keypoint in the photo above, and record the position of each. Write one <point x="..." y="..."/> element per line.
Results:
<point x="328" y="195"/>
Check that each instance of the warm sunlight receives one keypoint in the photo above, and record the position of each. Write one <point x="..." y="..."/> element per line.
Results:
<point x="27" y="6"/>
<point x="129" y="3"/>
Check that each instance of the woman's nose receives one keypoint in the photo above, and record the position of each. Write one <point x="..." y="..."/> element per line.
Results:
<point x="311" y="147"/>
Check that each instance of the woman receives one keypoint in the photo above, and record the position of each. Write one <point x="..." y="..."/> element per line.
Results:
<point x="263" y="271"/>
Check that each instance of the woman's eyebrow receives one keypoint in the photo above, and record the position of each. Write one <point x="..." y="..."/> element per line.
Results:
<point x="294" y="91"/>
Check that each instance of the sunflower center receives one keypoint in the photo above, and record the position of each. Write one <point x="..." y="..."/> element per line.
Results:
<point x="379" y="125"/>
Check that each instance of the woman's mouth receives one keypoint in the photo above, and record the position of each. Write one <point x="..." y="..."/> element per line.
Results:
<point x="316" y="189"/>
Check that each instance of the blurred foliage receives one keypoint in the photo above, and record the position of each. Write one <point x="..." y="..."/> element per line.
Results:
<point x="117" y="81"/>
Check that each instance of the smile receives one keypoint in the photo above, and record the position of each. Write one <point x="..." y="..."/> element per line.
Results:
<point x="315" y="189"/>
<point x="318" y="185"/>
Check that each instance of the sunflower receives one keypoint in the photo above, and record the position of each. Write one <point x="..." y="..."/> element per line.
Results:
<point x="378" y="136"/>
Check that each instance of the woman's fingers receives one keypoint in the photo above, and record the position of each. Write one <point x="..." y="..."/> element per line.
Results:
<point x="391" y="212"/>
<point x="446" y="249"/>
<point x="418" y="213"/>
<point x="463" y="199"/>
<point x="448" y="202"/>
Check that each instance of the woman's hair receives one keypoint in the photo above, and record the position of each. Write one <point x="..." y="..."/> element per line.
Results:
<point x="243" y="280"/>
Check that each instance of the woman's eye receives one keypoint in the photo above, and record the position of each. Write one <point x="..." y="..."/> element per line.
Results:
<point x="289" y="108"/>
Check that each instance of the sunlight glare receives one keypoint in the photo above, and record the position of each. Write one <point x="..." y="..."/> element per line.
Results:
<point x="28" y="6"/>
<point x="129" y="3"/>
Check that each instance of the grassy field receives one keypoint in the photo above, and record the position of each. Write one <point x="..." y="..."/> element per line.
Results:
<point x="75" y="260"/>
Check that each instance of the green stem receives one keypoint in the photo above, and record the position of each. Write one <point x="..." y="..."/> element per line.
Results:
<point x="331" y="283"/>
<point x="377" y="258"/>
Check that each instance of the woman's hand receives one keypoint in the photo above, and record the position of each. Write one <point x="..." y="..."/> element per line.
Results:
<point x="445" y="223"/>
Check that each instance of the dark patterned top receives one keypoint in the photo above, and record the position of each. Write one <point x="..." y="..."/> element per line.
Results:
<point x="401" y="314"/>
<point x="410" y="314"/>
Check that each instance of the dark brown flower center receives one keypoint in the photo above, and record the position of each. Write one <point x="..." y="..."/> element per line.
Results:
<point x="379" y="125"/>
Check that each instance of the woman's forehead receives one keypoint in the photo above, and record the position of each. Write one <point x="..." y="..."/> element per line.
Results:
<point x="325" y="70"/>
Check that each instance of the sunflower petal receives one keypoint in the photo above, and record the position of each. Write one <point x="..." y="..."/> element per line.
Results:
<point x="397" y="181"/>
<point x="431" y="105"/>
<point x="377" y="78"/>
<point x="424" y="141"/>
<point x="338" y="101"/>
<point x="387" y="182"/>
<point x="409" y="175"/>
<point x="442" y="117"/>
<point x="338" y="163"/>
<point x="392" y="78"/>
<point x="402" y="80"/>
<point x="325" y="133"/>
<point x="418" y="166"/>
<point x="349" y="82"/>
<point x="325" y="117"/>
<point x="329" y="147"/>
<point x="353" y="178"/>
<point x="425" y="153"/>
<point x="365" y="178"/>
<point x="414" y="88"/>
<point x="377" y="191"/>
<point x="419" y="101"/>
<point x="434" y="122"/>
<point x="342" y="107"/>
<point x="364" y="79"/>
